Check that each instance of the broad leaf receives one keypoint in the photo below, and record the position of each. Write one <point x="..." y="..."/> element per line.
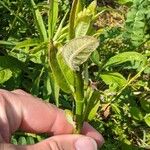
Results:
<point x="126" y="57"/>
<point x="78" y="50"/>
<point x="114" y="79"/>
<point x="58" y="75"/>
<point x="67" y="72"/>
<point x="5" y="75"/>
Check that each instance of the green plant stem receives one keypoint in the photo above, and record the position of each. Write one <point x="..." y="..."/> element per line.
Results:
<point x="79" y="100"/>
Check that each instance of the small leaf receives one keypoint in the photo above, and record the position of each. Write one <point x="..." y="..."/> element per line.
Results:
<point x="147" y="119"/>
<point x="22" y="141"/>
<point x="145" y="103"/>
<point x="136" y="113"/>
<point x="78" y="50"/>
<point x="5" y="75"/>
<point x="125" y="57"/>
<point x="30" y="140"/>
<point x="115" y="108"/>
<point x="95" y="57"/>
<point x="114" y="79"/>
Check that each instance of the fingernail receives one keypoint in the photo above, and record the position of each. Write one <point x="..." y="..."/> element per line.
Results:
<point x="85" y="143"/>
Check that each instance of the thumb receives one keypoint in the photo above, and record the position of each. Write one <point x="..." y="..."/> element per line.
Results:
<point x="64" y="142"/>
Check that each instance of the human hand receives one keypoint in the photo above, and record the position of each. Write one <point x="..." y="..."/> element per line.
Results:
<point x="20" y="110"/>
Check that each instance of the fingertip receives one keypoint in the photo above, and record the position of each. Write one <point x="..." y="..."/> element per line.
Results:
<point x="88" y="130"/>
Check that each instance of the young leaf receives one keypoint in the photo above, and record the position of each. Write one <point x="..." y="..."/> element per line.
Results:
<point x="39" y="21"/>
<point x="114" y="79"/>
<point x="5" y="75"/>
<point x="72" y="18"/>
<point x="52" y="17"/>
<point x="58" y="75"/>
<point x="125" y="57"/>
<point x="22" y="140"/>
<point x="78" y="50"/>
<point x="84" y="19"/>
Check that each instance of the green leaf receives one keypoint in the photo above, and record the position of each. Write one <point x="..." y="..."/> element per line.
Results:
<point x="14" y="141"/>
<point x="30" y="140"/>
<point x="72" y="18"/>
<point x="84" y="19"/>
<point x="52" y="17"/>
<point x="145" y="103"/>
<point x="60" y="28"/>
<point x="67" y="72"/>
<point x="22" y="141"/>
<point x="55" y="89"/>
<point x="58" y="75"/>
<point x="115" y="108"/>
<point x="47" y="90"/>
<point x="27" y="43"/>
<point x="5" y="75"/>
<point x="92" y="106"/>
<point x="126" y="57"/>
<point x="78" y="50"/>
<point x="147" y="119"/>
<point x="95" y="58"/>
<point x="136" y="113"/>
<point x="11" y="62"/>
<point x="114" y="79"/>
<point x="7" y="43"/>
<point x="39" y="21"/>
<point x="36" y="83"/>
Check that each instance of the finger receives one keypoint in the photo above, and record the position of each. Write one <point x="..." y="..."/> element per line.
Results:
<point x="32" y="114"/>
<point x="21" y="92"/>
<point x="88" y="130"/>
<point x="65" y="142"/>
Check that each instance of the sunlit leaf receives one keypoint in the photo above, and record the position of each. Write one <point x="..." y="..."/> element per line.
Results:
<point x="78" y="50"/>
<point x="114" y="79"/>
<point x="147" y="119"/>
<point x="126" y="57"/>
<point x="58" y="75"/>
<point x="5" y="75"/>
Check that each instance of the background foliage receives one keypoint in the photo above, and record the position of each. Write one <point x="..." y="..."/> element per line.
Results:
<point x="119" y="69"/>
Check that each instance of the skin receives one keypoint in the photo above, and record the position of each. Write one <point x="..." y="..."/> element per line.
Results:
<point x="20" y="110"/>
